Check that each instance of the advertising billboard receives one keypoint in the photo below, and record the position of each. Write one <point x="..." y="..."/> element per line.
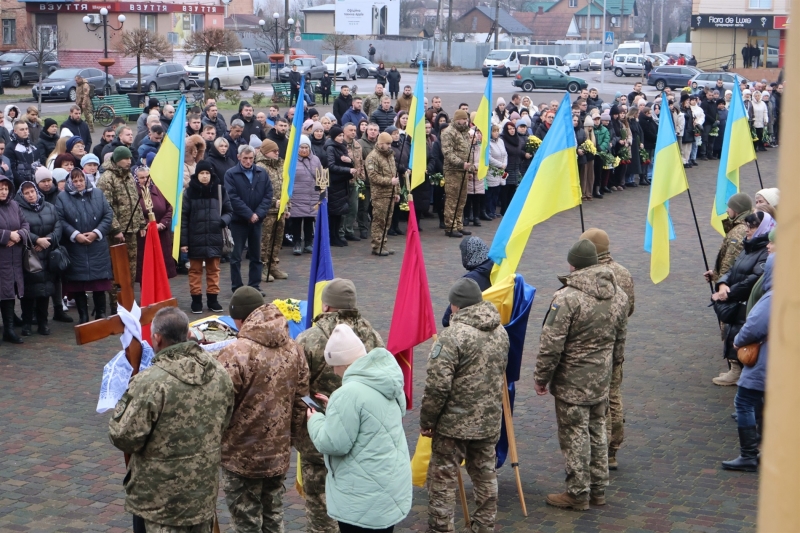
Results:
<point x="368" y="17"/>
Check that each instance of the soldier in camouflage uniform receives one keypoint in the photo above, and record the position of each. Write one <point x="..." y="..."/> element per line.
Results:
<point x="462" y="407"/>
<point x="83" y="99"/>
<point x="373" y="101"/>
<point x="268" y="158"/>
<point x="172" y="475"/>
<point x="384" y="184"/>
<point x="615" y="426"/>
<point x="346" y="230"/>
<point x="123" y="197"/>
<point x="270" y="378"/>
<point x="582" y="340"/>
<point x="456" y="147"/>
<point x="339" y="306"/>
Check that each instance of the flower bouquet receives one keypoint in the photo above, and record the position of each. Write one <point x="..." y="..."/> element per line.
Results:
<point x="289" y="308"/>
<point x="644" y="155"/>
<point x="624" y="155"/>
<point x="714" y="132"/>
<point x="698" y="131"/>
<point x="361" y="186"/>
<point x="496" y="172"/>
<point x="753" y="134"/>
<point x="588" y="147"/>
<point x="437" y="180"/>
<point x="533" y="144"/>
<point x="403" y="205"/>
<point x="609" y="160"/>
<point x="766" y="138"/>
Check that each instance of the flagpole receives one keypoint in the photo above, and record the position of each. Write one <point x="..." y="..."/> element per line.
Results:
<point x="580" y="207"/>
<point x="699" y="237"/>
<point x="759" y="173"/>
<point x="512" y="443"/>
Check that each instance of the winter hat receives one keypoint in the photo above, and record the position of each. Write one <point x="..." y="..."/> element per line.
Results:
<point x="461" y="115"/>
<point x="599" y="238"/>
<point x="746" y="91"/>
<point x="317" y="127"/>
<point x="339" y="293"/>
<point x="606" y="106"/>
<point x="771" y="235"/>
<point x="152" y="104"/>
<point x="305" y="140"/>
<point x="465" y="292"/>
<point x="331" y="116"/>
<point x="582" y="254"/>
<point x="307" y="124"/>
<point x="255" y="142"/>
<point x="343" y="347"/>
<point x="385" y="138"/>
<point x="65" y="133"/>
<point x="588" y="123"/>
<point x="605" y="116"/>
<point x="614" y="110"/>
<point x="201" y="166"/>
<point x="500" y="100"/>
<point x="684" y="97"/>
<point x="523" y="121"/>
<point x="244" y="301"/>
<point x="43" y="173"/>
<point x="740" y="203"/>
<point x="73" y="141"/>
<point x="335" y="131"/>
<point x="772" y="196"/>
<point x="474" y="252"/>
<point x="390" y="129"/>
<point x="49" y="122"/>
<point x="90" y="158"/>
<point x="120" y="153"/>
<point x="59" y="174"/>
<point x="150" y="158"/>
<point x="311" y="111"/>
<point x="728" y="92"/>
<point x="269" y="146"/>
<point x="514" y="116"/>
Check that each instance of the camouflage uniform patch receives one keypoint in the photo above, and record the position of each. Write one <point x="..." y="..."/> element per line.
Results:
<point x="255" y="504"/>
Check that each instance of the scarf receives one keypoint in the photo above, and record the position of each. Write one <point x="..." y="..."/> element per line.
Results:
<point x="767" y="223"/>
<point x="22" y="142"/>
<point x="38" y="205"/>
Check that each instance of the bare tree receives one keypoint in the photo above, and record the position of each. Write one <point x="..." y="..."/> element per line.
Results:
<point x="142" y="43"/>
<point x="338" y="43"/>
<point x="211" y="41"/>
<point x="269" y="38"/>
<point x="42" y="47"/>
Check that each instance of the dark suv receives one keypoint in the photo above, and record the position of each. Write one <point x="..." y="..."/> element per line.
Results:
<point x="672" y="76"/>
<point x="155" y="77"/>
<point x="21" y="67"/>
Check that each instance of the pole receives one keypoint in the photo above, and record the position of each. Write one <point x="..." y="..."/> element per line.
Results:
<point x="759" y="173"/>
<point x="286" y="56"/>
<point x="105" y="50"/>
<point x="512" y="443"/>
<point x="652" y="20"/>
<point x="461" y="189"/>
<point x="661" y="31"/>
<point x="588" y="26"/>
<point x="580" y="207"/>
<point x="277" y="45"/>
<point x="603" y="60"/>
<point x="699" y="237"/>
<point x="496" y="26"/>
<point x="462" y="492"/>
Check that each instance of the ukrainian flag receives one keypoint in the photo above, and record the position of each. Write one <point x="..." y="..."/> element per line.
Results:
<point x="737" y="150"/>
<point x="415" y="129"/>
<point x="550" y="186"/>
<point x="483" y="121"/>
<point x="669" y="180"/>
<point x="290" y="161"/>
<point x="321" y="264"/>
<point x="167" y="170"/>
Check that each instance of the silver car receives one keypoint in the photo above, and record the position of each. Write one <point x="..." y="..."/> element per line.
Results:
<point x="628" y="65"/>
<point x="595" y="58"/>
<point x="709" y="79"/>
<point x="577" y="62"/>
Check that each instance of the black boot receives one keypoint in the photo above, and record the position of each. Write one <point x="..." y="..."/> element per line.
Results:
<point x="748" y="443"/>
<point x="213" y="304"/>
<point x="82" y="305"/>
<point x="27" y="305"/>
<point x="41" y="315"/>
<point x="197" y="303"/>
<point x="7" y="311"/>
<point x="596" y="192"/>
<point x="99" y="298"/>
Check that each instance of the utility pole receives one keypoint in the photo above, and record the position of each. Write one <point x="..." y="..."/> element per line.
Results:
<point x="588" y="25"/>
<point x="661" y="30"/>
<point x="496" y="22"/>
<point x="652" y="18"/>
<point x="449" y="30"/>
<point x="286" y="55"/>
<point x="438" y="28"/>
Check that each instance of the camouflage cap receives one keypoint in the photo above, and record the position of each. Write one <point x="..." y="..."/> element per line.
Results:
<point x="598" y="237"/>
<point x="582" y="254"/>
<point x="340" y="294"/>
<point x="244" y="301"/>
<point x="465" y="292"/>
<point x="461" y="115"/>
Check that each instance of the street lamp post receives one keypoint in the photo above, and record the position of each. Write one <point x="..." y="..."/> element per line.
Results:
<point x="278" y="28"/>
<point x="93" y="27"/>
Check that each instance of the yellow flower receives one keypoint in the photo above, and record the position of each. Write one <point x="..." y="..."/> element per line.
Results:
<point x="362" y="197"/>
<point x="289" y="308"/>
<point x="441" y="182"/>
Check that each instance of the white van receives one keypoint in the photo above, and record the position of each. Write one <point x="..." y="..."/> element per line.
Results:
<point x="679" y="48"/>
<point x="633" y="47"/>
<point x="223" y="71"/>
<point x="503" y="62"/>
<point x="544" y="60"/>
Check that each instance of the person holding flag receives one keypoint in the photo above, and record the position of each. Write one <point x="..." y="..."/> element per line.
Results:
<point x="384" y="185"/>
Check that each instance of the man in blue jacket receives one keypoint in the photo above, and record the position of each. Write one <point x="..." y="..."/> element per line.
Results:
<point x="355" y="114"/>
<point x="250" y="191"/>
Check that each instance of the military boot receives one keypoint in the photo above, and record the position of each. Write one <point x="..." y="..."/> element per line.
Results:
<point x="566" y="501"/>
<point x="612" y="460"/>
<point x="598" y="498"/>
<point x="197" y="303"/>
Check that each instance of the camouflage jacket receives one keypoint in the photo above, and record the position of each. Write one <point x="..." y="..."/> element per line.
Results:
<point x="464" y="389"/>
<point x="624" y="279"/>
<point x="83" y="95"/>
<point x="123" y="197"/>
<point x="171" y="421"/>
<point x="583" y="336"/>
<point x="274" y="168"/>
<point x="732" y="244"/>
<point x="371" y="103"/>
<point x="270" y="378"/>
<point x="321" y="377"/>
<point x="356" y="154"/>
<point x="455" y="147"/>
<point x="381" y="169"/>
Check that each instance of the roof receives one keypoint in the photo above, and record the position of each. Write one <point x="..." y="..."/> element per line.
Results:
<point x="324" y="8"/>
<point x="680" y="39"/>
<point x="534" y="6"/>
<point x="613" y="7"/>
<point x="547" y="26"/>
<point x="506" y="21"/>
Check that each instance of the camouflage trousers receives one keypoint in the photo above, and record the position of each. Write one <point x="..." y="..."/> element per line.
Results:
<point x="615" y="425"/>
<point x="255" y="504"/>
<point x="88" y="115"/>
<point x="363" y="217"/>
<point x="582" y="437"/>
<point x="382" y="203"/>
<point x="266" y="240"/>
<point x="453" y="201"/>
<point x="349" y="218"/>
<point x="130" y="244"/>
<point x="446" y="456"/>
<point x="317" y="519"/>
<point x="204" y="527"/>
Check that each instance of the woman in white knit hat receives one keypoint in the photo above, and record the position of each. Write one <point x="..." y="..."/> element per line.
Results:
<point x="368" y="487"/>
<point x="767" y="201"/>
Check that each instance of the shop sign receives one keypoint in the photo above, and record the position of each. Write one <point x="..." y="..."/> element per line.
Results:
<point x="121" y="7"/>
<point x="750" y="22"/>
<point x="781" y="22"/>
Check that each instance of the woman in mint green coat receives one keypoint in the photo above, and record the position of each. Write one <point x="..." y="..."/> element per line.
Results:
<point x="368" y="487"/>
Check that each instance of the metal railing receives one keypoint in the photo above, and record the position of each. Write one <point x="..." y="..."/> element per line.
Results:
<point x="718" y="63"/>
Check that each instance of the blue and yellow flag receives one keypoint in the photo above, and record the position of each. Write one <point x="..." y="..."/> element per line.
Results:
<point x="415" y="129"/>
<point x="737" y="150"/>
<point x="290" y="161"/>
<point x="483" y="121"/>
<point x="321" y="264"/>
<point x="550" y="185"/>
<point x="167" y="170"/>
<point x="669" y="180"/>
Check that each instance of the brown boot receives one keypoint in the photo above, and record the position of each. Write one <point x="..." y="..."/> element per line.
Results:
<point x="278" y="274"/>
<point x="612" y="460"/>
<point x="565" y="501"/>
<point x="597" y="498"/>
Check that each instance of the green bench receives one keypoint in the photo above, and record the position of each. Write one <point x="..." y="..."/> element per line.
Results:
<point x="281" y="91"/>
<point x="107" y="108"/>
<point x="167" y="97"/>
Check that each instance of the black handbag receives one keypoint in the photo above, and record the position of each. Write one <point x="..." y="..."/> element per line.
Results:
<point x="730" y="312"/>
<point x="30" y="259"/>
<point x="58" y="260"/>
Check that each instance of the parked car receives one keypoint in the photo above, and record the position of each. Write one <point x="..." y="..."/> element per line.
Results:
<point x="709" y="79"/>
<point x="294" y="53"/>
<point x="543" y="60"/>
<point x="672" y="76"/>
<point x="659" y="60"/>
<point x="223" y="71"/>
<point x="503" y="62"/>
<point x="155" y="77"/>
<point x="530" y="78"/>
<point x="306" y="65"/>
<point x="345" y="67"/>
<point x="595" y="58"/>
<point x="628" y="65"/>
<point x="60" y="84"/>
<point x="577" y="62"/>
<point x="21" y="67"/>
<point x="364" y="67"/>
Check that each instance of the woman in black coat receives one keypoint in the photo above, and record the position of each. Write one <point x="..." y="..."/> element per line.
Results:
<point x="47" y="140"/>
<point x="341" y="171"/>
<point x="393" y="77"/>
<point x="318" y="139"/>
<point x="203" y="218"/>
<point x="436" y="166"/>
<point x="616" y="128"/>
<point x="649" y="129"/>
<point x="45" y="234"/>
<point x="85" y="217"/>
<point x="217" y="157"/>
<point x="515" y="150"/>
<point x="13" y="236"/>
<point x="401" y="146"/>
<point x="634" y="169"/>
<point x="381" y="74"/>
<point x="325" y="88"/>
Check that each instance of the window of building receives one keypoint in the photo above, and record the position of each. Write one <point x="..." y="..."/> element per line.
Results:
<point x="197" y="22"/>
<point x="147" y="22"/>
<point x="597" y="23"/>
<point x="474" y="23"/>
<point x="9" y="31"/>
<point x="573" y="3"/>
<point x="173" y="37"/>
<point x="760" y="4"/>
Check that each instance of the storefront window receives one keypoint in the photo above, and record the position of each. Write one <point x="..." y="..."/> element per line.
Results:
<point x="760" y="4"/>
<point x="147" y="22"/>
<point x="9" y="31"/>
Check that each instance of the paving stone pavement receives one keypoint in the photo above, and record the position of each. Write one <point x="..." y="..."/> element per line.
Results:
<point x="58" y="471"/>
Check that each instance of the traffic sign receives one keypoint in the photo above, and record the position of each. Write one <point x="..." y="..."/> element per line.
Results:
<point x="609" y="38"/>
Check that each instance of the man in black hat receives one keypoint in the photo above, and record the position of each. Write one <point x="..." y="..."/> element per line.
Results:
<point x="141" y="122"/>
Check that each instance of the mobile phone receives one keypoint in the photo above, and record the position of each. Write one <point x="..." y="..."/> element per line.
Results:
<point x="309" y="401"/>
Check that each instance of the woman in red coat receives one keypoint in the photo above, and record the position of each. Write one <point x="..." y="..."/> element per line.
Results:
<point x="163" y="213"/>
